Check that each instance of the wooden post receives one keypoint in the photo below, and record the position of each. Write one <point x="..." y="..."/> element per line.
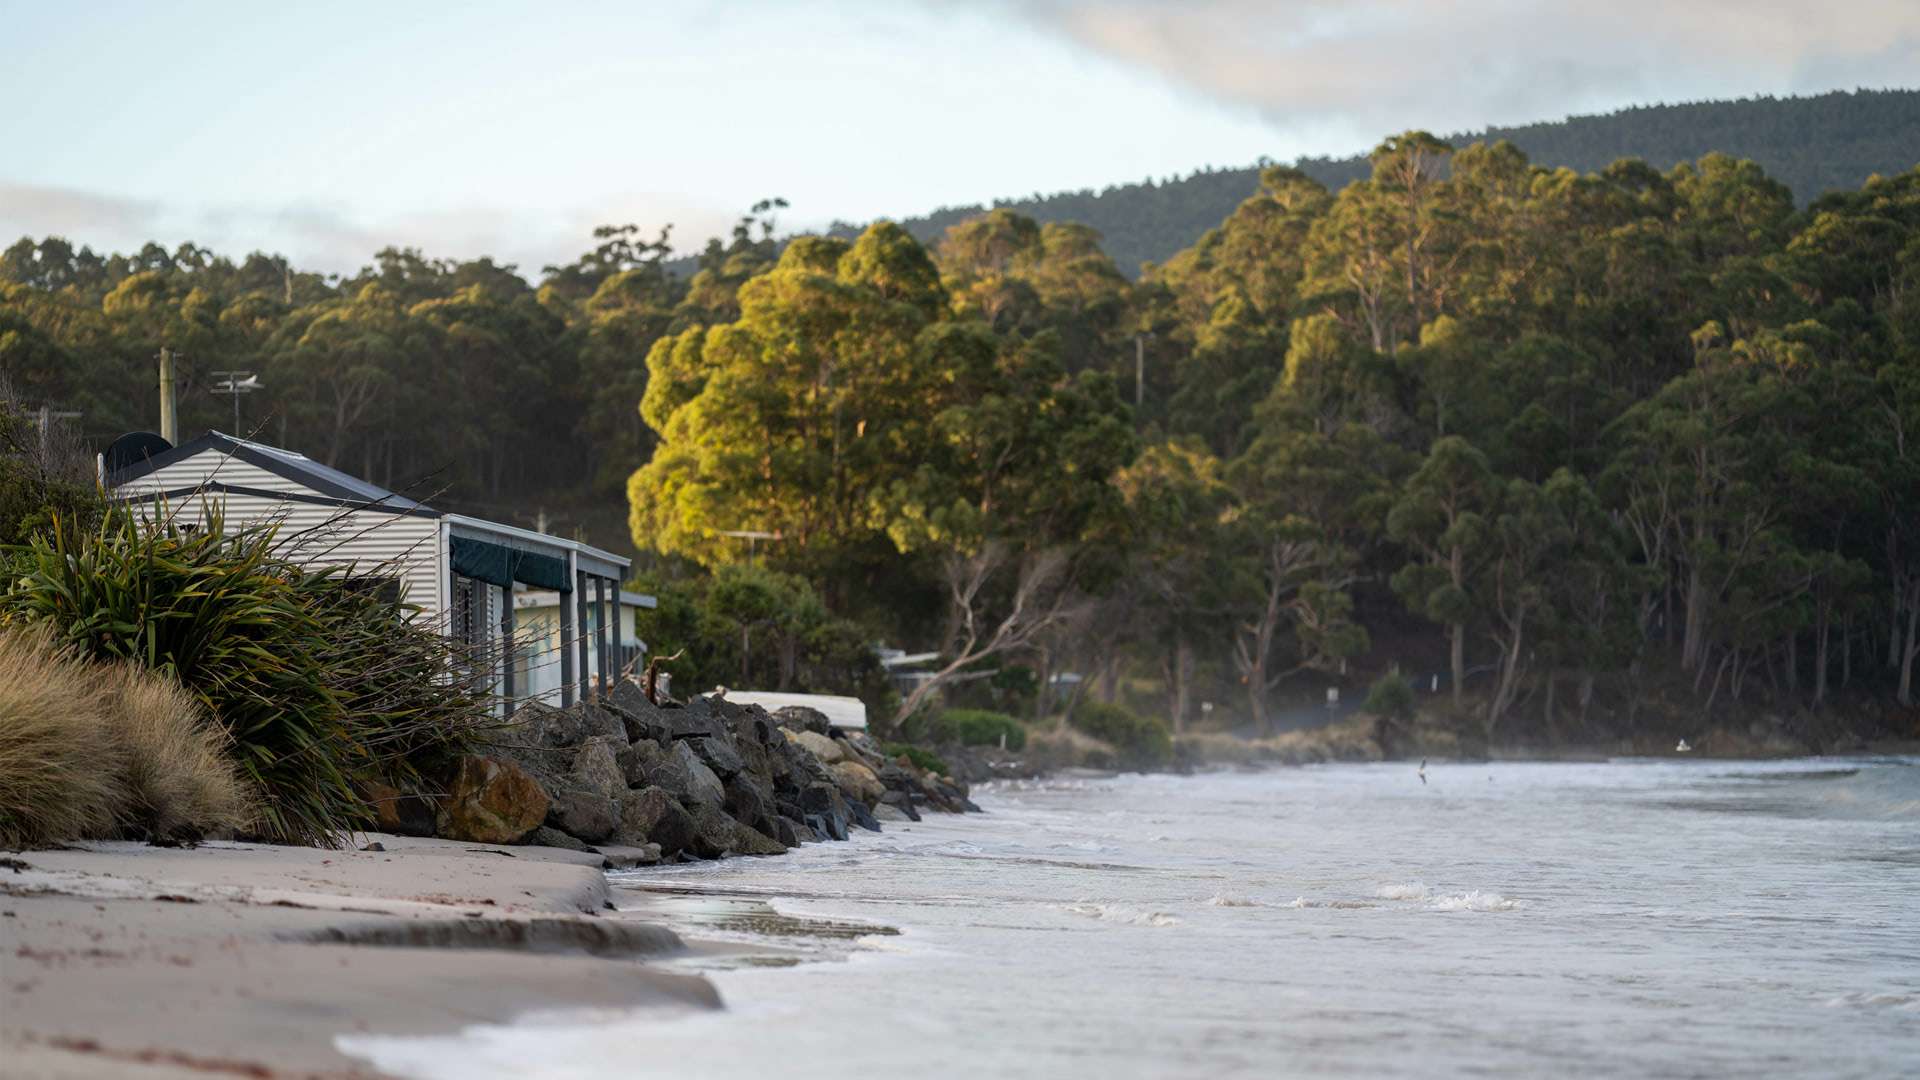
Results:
<point x="506" y="645"/>
<point x="580" y="607"/>
<point x="619" y="615"/>
<point x="566" y="644"/>
<point x="600" y="633"/>
<point x="169" y="422"/>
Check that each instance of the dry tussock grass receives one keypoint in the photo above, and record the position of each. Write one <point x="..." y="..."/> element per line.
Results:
<point x="1348" y="740"/>
<point x="93" y="751"/>
<point x="180" y="779"/>
<point x="61" y="772"/>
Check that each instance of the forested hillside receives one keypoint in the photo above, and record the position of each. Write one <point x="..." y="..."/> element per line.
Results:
<point x="1566" y="445"/>
<point x="1811" y="144"/>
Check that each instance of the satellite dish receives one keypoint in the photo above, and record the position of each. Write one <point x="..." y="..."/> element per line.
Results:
<point x="131" y="449"/>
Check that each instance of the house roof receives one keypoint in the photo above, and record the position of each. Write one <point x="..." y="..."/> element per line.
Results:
<point x="330" y="485"/>
<point x="286" y="464"/>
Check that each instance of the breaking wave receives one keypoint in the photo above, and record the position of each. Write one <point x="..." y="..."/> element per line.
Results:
<point x="1472" y="900"/>
<point x="1120" y="913"/>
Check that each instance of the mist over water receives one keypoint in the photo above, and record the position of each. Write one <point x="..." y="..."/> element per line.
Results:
<point x="1623" y="919"/>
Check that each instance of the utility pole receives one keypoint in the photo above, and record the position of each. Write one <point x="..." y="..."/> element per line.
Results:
<point x="169" y="422"/>
<point x="751" y="536"/>
<point x="47" y="416"/>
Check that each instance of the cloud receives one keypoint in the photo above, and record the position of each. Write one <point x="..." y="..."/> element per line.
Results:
<point x="335" y="239"/>
<point x="1370" y="67"/>
<point x="26" y="208"/>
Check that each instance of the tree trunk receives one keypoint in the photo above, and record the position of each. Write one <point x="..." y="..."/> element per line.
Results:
<point x="1911" y="650"/>
<point x="1691" y="648"/>
<point x="1457" y="632"/>
<point x="1043" y="692"/>
<point x="789" y="658"/>
<point x="1821" y="635"/>
<point x="1183" y="671"/>
<point x="1257" y="695"/>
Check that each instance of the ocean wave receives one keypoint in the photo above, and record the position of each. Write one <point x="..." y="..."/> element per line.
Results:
<point x="1226" y="900"/>
<point x="1472" y="900"/>
<point x="1863" y="1000"/>
<point x="1120" y="913"/>
<point x="1301" y="903"/>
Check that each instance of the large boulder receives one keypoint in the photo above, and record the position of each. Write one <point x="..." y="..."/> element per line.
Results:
<point x="584" y="814"/>
<point x="548" y="836"/>
<point x="790" y="832"/>
<point x="714" y="832"/>
<point x="637" y="760"/>
<point x="748" y="840"/>
<point x="596" y="767"/>
<point x="719" y="755"/>
<point x="825" y="809"/>
<point x="641" y="718"/>
<point x="899" y="802"/>
<point x="857" y="781"/>
<point x="802" y="718"/>
<point x="400" y="812"/>
<point x="750" y="800"/>
<point x="585" y="799"/>
<point x="490" y="801"/>
<point x="538" y="726"/>
<point x="858" y="814"/>
<point x="652" y="815"/>
<point x="600" y="721"/>
<point x="824" y="747"/>
<point x="687" y="778"/>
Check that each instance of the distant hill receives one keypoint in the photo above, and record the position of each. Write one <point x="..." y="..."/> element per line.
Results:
<point x="1812" y="144"/>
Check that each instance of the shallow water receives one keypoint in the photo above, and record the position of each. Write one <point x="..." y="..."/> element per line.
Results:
<point x="1671" y="919"/>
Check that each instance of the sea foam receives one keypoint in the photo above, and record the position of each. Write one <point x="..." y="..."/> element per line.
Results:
<point x="1120" y="913"/>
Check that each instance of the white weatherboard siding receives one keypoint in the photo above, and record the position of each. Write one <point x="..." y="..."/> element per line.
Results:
<point x="211" y="465"/>
<point x="311" y="533"/>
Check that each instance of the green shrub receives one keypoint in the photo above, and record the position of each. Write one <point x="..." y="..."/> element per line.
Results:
<point x="316" y="676"/>
<point x="977" y="727"/>
<point x="921" y="757"/>
<point x="43" y="478"/>
<point x="1142" y="741"/>
<point x="1391" y="696"/>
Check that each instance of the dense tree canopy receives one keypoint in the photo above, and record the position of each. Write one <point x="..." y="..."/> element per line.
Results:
<point x="1555" y="443"/>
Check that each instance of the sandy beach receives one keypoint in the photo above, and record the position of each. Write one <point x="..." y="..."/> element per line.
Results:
<point x="119" y="959"/>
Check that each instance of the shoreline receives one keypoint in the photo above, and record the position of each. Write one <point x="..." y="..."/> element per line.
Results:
<point x="251" y="960"/>
<point x="248" y="960"/>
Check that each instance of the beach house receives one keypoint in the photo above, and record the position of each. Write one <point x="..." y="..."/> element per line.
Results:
<point x="460" y="572"/>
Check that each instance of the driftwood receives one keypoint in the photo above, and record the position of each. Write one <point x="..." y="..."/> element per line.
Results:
<point x="651" y="682"/>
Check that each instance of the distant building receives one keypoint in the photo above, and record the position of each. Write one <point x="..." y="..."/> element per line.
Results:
<point x="537" y="628"/>
<point x="457" y="570"/>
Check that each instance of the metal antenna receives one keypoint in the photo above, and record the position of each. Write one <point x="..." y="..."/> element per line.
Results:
<point x="234" y="384"/>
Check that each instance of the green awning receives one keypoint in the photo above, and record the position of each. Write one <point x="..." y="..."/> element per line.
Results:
<point x="497" y="564"/>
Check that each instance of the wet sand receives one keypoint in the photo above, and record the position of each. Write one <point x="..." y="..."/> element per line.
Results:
<point x="248" y="960"/>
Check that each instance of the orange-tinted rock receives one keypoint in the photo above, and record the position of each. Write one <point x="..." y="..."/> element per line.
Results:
<point x="491" y="801"/>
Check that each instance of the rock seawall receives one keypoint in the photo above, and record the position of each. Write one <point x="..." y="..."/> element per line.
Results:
<point x="642" y="782"/>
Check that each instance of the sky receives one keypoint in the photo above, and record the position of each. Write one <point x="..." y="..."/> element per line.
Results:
<point x="326" y="132"/>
